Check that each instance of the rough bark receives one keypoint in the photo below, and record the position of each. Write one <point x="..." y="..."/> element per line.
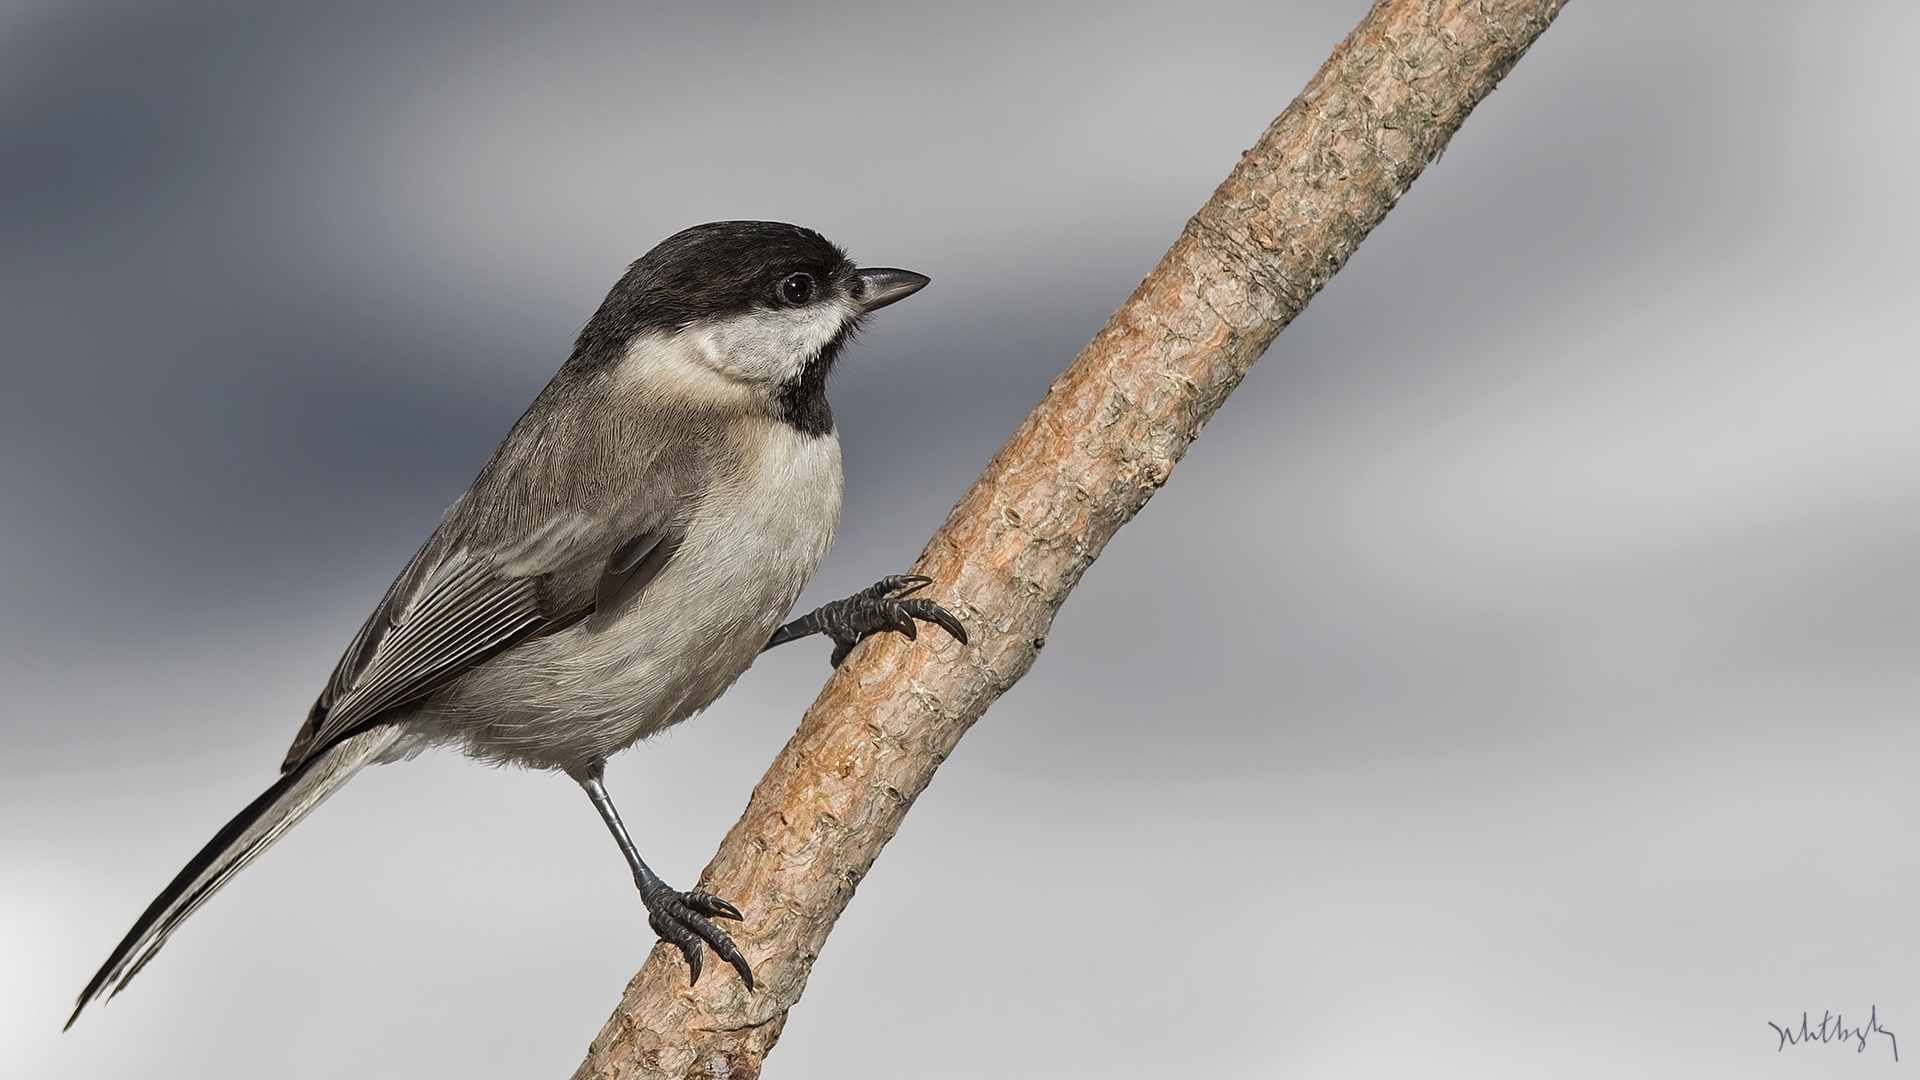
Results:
<point x="1104" y="439"/>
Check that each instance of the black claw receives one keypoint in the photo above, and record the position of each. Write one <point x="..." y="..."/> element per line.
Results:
<point x="733" y="956"/>
<point x="679" y="936"/>
<point x="899" y="586"/>
<point x="886" y="605"/>
<point x="681" y="920"/>
<point x="939" y="616"/>
<point x="712" y="906"/>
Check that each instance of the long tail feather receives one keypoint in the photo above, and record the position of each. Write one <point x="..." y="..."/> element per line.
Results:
<point x="236" y="845"/>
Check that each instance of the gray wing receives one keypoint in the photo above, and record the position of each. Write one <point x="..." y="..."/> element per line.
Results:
<point x="458" y="604"/>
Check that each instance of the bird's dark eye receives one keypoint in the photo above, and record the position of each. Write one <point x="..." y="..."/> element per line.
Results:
<point x="796" y="288"/>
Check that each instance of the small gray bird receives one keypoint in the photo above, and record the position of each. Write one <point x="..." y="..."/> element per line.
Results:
<point x="632" y="545"/>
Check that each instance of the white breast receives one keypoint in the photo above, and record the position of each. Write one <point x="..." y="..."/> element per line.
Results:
<point x="582" y="694"/>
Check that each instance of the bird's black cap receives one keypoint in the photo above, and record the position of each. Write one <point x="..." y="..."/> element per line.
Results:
<point x="706" y="272"/>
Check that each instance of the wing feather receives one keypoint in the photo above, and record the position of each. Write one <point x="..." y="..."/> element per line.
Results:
<point x="467" y="614"/>
<point x="568" y="518"/>
<point x="434" y="626"/>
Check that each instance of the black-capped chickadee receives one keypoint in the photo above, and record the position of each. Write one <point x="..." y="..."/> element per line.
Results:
<point x="632" y="545"/>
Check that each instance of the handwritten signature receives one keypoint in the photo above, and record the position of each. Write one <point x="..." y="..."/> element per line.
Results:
<point x="1833" y="1029"/>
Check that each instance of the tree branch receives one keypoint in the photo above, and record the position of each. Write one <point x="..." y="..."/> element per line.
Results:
<point x="1104" y="439"/>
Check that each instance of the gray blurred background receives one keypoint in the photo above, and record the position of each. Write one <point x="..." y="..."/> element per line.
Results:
<point x="1518" y="678"/>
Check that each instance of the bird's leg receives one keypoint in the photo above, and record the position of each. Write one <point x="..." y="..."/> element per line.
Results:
<point x="681" y="918"/>
<point x="888" y="604"/>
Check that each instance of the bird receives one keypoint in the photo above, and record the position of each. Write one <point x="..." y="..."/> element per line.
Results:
<point x="629" y="549"/>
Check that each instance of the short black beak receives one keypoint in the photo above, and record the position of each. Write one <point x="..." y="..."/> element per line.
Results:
<point x="880" y="286"/>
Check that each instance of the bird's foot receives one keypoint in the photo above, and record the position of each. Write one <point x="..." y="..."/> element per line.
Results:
<point x="888" y="604"/>
<point x="684" y="919"/>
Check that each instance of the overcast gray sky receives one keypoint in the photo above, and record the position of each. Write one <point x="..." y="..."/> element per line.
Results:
<point x="1517" y="679"/>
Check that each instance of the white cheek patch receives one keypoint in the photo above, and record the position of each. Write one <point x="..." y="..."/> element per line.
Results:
<point x="676" y="367"/>
<point x="772" y="347"/>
